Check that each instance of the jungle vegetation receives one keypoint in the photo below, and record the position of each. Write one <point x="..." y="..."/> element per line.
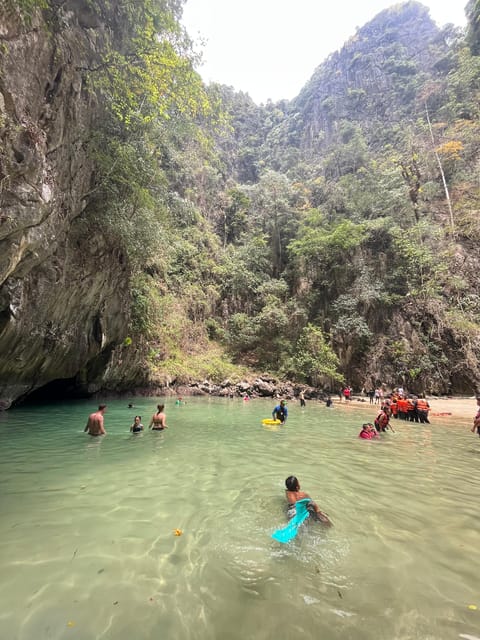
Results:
<point x="329" y="238"/>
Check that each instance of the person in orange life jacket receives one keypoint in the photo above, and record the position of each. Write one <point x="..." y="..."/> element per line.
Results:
<point x="381" y="421"/>
<point x="394" y="407"/>
<point x="476" y="420"/>
<point x="422" y="410"/>
<point x="402" y="406"/>
<point x="412" y="409"/>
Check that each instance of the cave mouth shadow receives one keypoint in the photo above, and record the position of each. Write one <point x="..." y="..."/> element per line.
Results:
<point x="55" y="391"/>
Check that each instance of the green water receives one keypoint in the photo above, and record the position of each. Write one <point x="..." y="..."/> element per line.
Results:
<point x="87" y="544"/>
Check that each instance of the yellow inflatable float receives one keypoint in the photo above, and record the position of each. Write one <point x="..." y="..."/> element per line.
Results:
<point x="271" y="421"/>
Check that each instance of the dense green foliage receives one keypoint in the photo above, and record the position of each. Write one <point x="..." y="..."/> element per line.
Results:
<point x="326" y="239"/>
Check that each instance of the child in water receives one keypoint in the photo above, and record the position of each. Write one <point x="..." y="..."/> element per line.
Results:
<point x="137" y="425"/>
<point x="294" y="494"/>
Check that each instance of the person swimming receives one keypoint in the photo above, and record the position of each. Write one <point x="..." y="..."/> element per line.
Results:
<point x="159" y="419"/>
<point x="137" y="425"/>
<point x="293" y="494"/>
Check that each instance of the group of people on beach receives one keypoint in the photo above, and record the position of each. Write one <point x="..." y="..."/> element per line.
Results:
<point x="95" y="423"/>
<point x="411" y="408"/>
<point x="399" y="406"/>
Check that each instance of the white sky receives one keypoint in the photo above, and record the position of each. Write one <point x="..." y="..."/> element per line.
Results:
<point x="270" y="48"/>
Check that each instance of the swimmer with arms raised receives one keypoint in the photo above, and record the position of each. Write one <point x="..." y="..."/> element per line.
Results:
<point x="294" y="494"/>
<point x="95" y="422"/>
<point x="159" y="419"/>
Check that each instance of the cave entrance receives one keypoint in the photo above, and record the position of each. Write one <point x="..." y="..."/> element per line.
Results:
<point x="55" y="391"/>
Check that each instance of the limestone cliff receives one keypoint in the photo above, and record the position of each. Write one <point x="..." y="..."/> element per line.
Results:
<point x="63" y="291"/>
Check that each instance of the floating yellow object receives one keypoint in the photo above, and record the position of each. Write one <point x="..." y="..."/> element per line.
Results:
<point x="70" y="623"/>
<point x="271" y="421"/>
<point x="177" y="532"/>
<point x="473" y="607"/>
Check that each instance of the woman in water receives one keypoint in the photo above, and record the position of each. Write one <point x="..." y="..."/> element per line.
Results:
<point x="158" y="421"/>
<point x="294" y="494"/>
<point x="137" y="425"/>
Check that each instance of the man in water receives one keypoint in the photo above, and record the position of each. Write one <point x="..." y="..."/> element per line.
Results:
<point x="95" y="422"/>
<point x="280" y="412"/>
<point x="301" y="395"/>
<point x="476" y="420"/>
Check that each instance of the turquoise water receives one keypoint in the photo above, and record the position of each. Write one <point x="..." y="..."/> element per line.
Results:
<point x="87" y="544"/>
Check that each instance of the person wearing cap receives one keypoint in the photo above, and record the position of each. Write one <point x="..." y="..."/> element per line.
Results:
<point x="476" y="420"/>
<point x="280" y="412"/>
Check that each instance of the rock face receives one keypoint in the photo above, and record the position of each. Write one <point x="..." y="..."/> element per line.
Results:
<point x="370" y="78"/>
<point x="63" y="290"/>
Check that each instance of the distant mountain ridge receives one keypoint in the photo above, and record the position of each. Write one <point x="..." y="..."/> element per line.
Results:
<point x="373" y="78"/>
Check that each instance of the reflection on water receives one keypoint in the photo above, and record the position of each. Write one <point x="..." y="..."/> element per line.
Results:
<point x="87" y="545"/>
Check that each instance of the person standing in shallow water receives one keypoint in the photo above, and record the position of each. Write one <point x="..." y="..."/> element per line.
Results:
<point x="159" y="419"/>
<point x="280" y="412"/>
<point x="301" y="395"/>
<point x="137" y="425"/>
<point x="95" y="422"/>
<point x="476" y="420"/>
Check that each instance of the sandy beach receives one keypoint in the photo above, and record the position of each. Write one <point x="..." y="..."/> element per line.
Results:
<point x="444" y="410"/>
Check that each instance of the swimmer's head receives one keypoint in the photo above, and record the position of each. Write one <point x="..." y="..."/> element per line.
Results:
<point x="160" y="407"/>
<point x="138" y="418"/>
<point x="292" y="483"/>
<point x="102" y="407"/>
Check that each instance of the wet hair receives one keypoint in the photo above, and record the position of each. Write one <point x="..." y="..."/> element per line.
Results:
<point x="101" y="407"/>
<point x="160" y="408"/>
<point x="292" y="483"/>
<point x="367" y="424"/>
<point x="139" y="417"/>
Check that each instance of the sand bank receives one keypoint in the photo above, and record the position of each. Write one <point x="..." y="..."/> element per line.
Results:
<point x="454" y="409"/>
